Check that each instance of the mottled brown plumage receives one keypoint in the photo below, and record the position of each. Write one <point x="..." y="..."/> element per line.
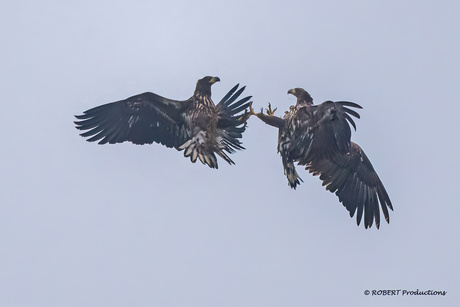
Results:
<point x="196" y="125"/>
<point x="318" y="137"/>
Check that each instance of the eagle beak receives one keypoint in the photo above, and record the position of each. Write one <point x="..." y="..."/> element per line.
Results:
<point x="291" y="91"/>
<point x="214" y="80"/>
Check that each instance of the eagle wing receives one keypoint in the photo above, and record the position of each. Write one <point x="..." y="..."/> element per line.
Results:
<point x="140" y="119"/>
<point x="231" y="123"/>
<point x="353" y="179"/>
<point x="322" y="130"/>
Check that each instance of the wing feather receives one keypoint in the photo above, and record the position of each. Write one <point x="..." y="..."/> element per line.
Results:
<point x="328" y="128"/>
<point x="140" y="119"/>
<point x="231" y="123"/>
<point x="229" y="94"/>
<point x="353" y="179"/>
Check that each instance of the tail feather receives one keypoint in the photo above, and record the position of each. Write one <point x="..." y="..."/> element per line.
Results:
<point x="196" y="147"/>
<point x="291" y="173"/>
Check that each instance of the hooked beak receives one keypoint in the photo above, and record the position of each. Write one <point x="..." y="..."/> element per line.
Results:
<point x="214" y="80"/>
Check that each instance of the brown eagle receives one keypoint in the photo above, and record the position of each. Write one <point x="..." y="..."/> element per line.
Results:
<point x="196" y="125"/>
<point x="319" y="138"/>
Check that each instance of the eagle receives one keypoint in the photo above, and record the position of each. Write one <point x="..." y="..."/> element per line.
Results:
<point x="318" y="137"/>
<point x="196" y="125"/>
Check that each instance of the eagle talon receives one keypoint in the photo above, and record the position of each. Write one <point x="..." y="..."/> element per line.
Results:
<point x="269" y="110"/>
<point x="247" y="114"/>
<point x="251" y="110"/>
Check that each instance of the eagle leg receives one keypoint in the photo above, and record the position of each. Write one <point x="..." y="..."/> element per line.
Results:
<point x="268" y="118"/>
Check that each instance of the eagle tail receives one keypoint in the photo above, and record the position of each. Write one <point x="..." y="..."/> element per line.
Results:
<point x="224" y="156"/>
<point x="196" y="148"/>
<point x="291" y="173"/>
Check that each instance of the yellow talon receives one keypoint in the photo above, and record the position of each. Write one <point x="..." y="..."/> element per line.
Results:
<point x="251" y="110"/>
<point x="270" y="112"/>
<point x="244" y="117"/>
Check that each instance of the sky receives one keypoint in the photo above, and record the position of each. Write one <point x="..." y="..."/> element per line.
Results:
<point x="123" y="225"/>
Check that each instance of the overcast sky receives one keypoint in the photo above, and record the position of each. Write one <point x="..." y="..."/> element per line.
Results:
<point x="126" y="225"/>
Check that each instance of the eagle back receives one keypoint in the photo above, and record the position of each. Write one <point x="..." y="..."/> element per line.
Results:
<point x="295" y="139"/>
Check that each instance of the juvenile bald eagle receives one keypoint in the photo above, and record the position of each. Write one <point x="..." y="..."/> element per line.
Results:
<point x="319" y="138"/>
<point x="196" y="125"/>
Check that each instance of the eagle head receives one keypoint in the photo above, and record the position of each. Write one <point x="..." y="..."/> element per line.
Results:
<point x="203" y="86"/>
<point x="302" y="96"/>
<point x="206" y="82"/>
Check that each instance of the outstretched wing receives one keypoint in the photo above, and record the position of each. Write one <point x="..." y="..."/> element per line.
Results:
<point x="231" y="122"/>
<point x="323" y="131"/>
<point x="140" y="119"/>
<point x="354" y="180"/>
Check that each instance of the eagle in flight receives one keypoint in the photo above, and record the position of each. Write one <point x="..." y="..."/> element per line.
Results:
<point x="318" y="137"/>
<point x="196" y="125"/>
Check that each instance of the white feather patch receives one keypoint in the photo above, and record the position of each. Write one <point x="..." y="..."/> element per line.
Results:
<point x="194" y="155"/>
<point x="201" y="158"/>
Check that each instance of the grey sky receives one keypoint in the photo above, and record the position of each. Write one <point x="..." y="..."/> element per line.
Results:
<point x="125" y="225"/>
